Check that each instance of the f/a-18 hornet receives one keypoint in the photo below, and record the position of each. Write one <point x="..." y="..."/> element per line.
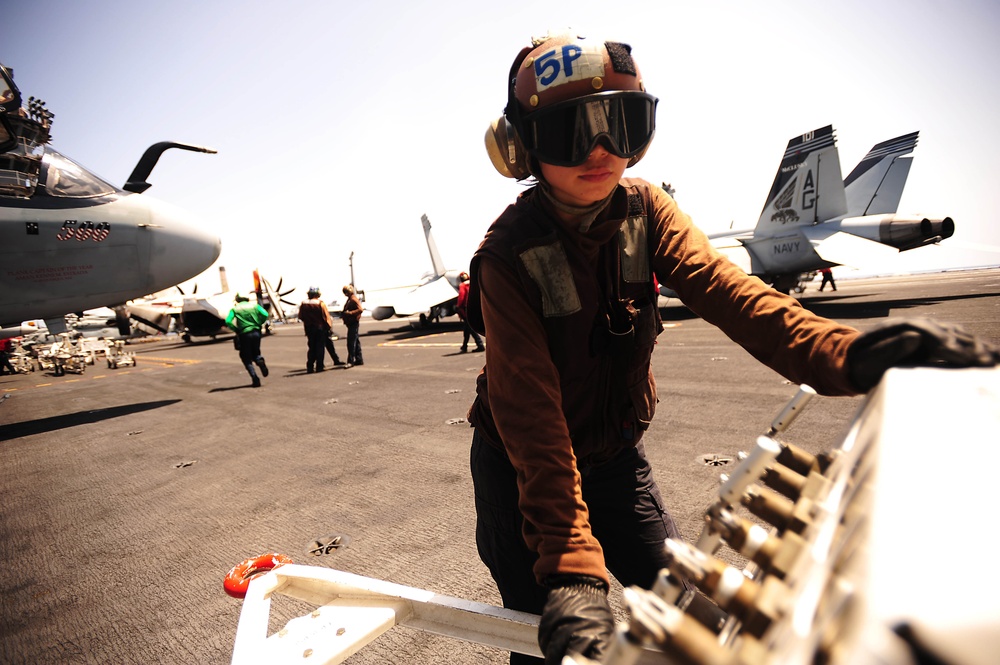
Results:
<point x="813" y="218"/>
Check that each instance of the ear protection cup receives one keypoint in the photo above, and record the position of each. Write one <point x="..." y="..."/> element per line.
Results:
<point x="506" y="153"/>
<point x="505" y="149"/>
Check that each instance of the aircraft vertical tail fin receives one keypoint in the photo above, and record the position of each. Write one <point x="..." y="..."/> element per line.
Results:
<point x="875" y="186"/>
<point x="436" y="262"/>
<point x="808" y="187"/>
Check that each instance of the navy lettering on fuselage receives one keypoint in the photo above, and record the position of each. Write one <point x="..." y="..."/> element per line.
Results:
<point x="786" y="247"/>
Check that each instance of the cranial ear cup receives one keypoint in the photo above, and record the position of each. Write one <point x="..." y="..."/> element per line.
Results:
<point x="506" y="153"/>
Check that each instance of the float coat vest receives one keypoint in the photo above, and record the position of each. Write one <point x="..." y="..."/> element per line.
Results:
<point x="598" y="309"/>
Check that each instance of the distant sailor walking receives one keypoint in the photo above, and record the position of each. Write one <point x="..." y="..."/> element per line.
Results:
<point x="5" y="349"/>
<point x="247" y="319"/>
<point x="461" y="308"/>
<point x="315" y="318"/>
<point x="330" y="348"/>
<point x="352" y="319"/>
<point x="827" y="279"/>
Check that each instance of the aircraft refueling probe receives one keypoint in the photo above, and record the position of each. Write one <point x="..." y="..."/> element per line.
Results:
<point x="137" y="180"/>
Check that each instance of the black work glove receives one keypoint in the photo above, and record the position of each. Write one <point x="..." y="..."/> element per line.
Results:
<point x="915" y="342"/>
<point x="576" y="618"/>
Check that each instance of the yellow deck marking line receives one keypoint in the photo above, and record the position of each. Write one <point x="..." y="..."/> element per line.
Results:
<point x="411" y="344"/>
<point x="170" y="361"/>
<point x="414" y="342"/>
<point x="163" y="362"/>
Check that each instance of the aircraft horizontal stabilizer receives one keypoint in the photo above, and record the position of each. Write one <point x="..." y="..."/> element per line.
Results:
<point x="847" y="249"/>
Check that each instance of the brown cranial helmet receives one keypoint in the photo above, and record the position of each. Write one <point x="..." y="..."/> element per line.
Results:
<point x="569" y="67"/>
<point x="566" y="94"/>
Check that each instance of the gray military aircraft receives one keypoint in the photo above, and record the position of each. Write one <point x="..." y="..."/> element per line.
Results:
<point x="814" y="219"/>
<point x="205" y="316"/>
<point x="69" y="241"/>
<point x="436" y="294"/>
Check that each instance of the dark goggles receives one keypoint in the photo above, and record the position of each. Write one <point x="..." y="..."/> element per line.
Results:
<point x="565" y="134"/>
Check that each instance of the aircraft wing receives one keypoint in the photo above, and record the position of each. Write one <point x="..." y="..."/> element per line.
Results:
<point x="423" y="298"/>
<point x="847" y="249"/>
<point x="217" y="305"/>
<point x="154" y="315"/>
<point x="734" y="250"/>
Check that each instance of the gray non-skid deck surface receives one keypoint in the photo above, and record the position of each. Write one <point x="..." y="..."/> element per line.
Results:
<point x="128" y="494"/>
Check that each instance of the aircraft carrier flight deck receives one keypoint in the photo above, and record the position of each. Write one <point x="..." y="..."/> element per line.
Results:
<point x="129" y="493"/>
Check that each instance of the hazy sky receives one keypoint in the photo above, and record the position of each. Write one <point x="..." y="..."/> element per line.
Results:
<point x="338" y="124"/>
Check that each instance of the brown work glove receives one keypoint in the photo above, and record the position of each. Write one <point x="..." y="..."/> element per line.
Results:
<point x="576" y="618"/>
<point x="915" y="342"/>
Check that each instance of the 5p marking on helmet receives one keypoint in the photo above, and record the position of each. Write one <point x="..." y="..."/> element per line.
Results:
<point x="560" y="65"/>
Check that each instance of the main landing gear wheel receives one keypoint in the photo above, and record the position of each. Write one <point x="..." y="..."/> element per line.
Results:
<point x="238" y="579"/>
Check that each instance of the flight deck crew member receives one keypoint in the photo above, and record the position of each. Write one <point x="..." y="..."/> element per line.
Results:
<point x="352" y="319"/>
<point x="827" y="279"/>
<point x="330" y="348"/>
<point x="5" y="347"/>
<point x="462" y="310"/>
<point x="247" y="319"/>
<point x="316" y="320"/>
<point x="562" y="287"/>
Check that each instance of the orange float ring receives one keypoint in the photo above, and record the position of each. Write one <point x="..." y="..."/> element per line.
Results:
<point x="238" y="579"/>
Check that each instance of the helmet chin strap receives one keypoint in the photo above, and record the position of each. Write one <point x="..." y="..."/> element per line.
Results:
<point x="586" y="214"/>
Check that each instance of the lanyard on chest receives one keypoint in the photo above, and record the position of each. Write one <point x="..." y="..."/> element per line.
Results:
<point x="614" y="325"/>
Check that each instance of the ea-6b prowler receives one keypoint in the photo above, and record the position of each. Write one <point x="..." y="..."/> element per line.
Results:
<point x="69" y="241"/>
<point x="813" y="218"/>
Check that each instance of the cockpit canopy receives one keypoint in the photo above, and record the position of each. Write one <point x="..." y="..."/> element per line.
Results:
<point x="63" y="177"/>
<point x="53" y="175"/>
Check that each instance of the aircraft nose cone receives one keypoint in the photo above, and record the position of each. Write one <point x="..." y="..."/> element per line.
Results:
<point x="179" y="248"/>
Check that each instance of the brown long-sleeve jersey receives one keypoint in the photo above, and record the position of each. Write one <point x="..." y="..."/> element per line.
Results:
<point x="539" y="397"/>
